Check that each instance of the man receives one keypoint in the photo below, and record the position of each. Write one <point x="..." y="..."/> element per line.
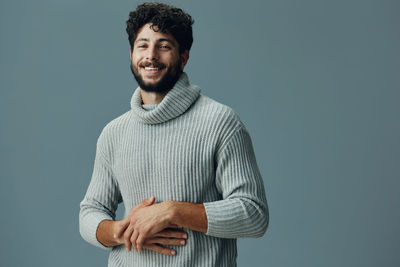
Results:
<point x="182" y="163"/>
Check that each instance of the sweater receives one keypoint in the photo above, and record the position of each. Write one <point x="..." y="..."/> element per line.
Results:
<point x="190" y="148"/>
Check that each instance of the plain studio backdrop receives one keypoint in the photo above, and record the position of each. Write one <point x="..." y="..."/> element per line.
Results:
<point x="315" y="82"/>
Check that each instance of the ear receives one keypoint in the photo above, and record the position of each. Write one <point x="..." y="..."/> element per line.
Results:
<point x="184" y="58"/>
<point x="130" y="53"/>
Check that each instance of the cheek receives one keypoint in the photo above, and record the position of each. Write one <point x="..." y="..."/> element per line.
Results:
<point x="135" y="60"/>
<point x="171" y="59"/>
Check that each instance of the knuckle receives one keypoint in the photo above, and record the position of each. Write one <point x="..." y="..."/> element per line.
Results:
<point x="126" y="236"/>
<point x="146" y="229"/>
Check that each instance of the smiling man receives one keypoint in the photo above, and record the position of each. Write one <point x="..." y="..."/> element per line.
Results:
<point x="156" y="59"/>
<point x="182" y="163"/>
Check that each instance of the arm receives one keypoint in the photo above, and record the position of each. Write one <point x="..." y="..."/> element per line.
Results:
<point x="102" y="196"/>
<point x="97" y="223"/>
<point x="189" y="215"/>
<point x="105" y="233"/>
<point x="243" y="211"/>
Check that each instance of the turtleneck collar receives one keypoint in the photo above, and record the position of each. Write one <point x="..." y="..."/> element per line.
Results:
<point x="175" y="102"/>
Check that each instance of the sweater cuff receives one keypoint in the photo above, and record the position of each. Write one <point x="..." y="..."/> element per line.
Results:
<point x="218" y="215"/>
<point x="92" y="224"/>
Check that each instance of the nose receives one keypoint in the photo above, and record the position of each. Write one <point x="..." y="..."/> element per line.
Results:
<point x="151" y="53"/>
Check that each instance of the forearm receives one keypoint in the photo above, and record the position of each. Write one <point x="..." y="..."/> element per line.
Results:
<point x="90" y="216"/>
<point x="237" y="217"/>
<point x="230" y="218"/>
<point x="105" y="233"/>
<point x="189" y="215"/>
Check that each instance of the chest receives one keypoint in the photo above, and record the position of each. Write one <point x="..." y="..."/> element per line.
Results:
<point x="171" y="163"/>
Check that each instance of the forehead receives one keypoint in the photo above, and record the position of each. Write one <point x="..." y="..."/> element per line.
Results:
<point x="147" y="32"/>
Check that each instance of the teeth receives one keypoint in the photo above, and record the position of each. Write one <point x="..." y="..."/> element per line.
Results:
<point x="148" y="68"/>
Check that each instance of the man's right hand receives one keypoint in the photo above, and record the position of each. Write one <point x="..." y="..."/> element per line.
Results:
<point x="166" y="237"/>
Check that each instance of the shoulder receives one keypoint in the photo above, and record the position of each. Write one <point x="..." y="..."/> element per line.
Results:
<point x="112" y="131"/>
<point x="218" y="113"/>
<point x="217" y="118"/>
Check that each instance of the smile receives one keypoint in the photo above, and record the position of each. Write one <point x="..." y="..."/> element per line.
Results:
<point x="151" y="69"/>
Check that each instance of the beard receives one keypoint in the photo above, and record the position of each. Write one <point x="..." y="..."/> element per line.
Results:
<point x="166" y="82"/>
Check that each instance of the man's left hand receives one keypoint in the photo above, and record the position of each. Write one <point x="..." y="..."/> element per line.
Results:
<point x="145" y="221"/>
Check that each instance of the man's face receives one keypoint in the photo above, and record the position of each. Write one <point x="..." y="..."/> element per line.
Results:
<point x="155" y="60"/>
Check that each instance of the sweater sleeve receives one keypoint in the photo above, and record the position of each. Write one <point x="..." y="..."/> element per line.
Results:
<point x="102" y="197"/>
<point x="243" y="211"/>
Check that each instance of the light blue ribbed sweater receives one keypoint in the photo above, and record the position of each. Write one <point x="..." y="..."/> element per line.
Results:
<point x="187" y="148"/>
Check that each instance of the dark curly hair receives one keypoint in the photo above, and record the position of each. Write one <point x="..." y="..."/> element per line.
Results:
<point x="166" y="18"/>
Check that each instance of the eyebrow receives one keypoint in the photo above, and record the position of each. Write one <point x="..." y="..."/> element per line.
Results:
<point x="159" y="40"/>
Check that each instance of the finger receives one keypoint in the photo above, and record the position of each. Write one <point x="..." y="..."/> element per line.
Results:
<point x="162" y="250"/>
<point x="134" y="238"/>
<point x="133" y="241"/>
<point x="145" y="202"/>
<point x="121" y="228"/>
<point x="166" y="241"/>
<point x="171" y="234"/>
<point x="139" y="242"/>
<point x="127" y="238"/>
<point x="148" y="201"/>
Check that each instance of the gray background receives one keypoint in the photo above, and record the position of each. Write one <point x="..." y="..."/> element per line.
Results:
<point x="315" y="82"/>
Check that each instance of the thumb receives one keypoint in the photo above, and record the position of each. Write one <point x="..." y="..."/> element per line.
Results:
<point x="148" y="201"/>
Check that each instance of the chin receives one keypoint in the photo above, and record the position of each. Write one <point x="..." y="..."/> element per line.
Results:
<point x="150" y="79"/>
<point x="160" y="83"/>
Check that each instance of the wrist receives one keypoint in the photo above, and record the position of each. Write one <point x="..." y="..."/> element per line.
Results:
<point x="190" y="215"/>
<point x="173" y="217"/>
<point x="115" y="226"/>
<point x="105" y="233"/>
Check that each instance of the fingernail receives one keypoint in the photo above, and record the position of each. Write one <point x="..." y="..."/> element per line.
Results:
<point x="115" y="235"/>
<point x="185" y="236"/>
<point x="173" y="252"/>
<point x="182" y="242"/>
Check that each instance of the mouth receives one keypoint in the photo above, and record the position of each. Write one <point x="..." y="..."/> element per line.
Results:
<point x="152" y="72"/>
<point x="152" y="68"/>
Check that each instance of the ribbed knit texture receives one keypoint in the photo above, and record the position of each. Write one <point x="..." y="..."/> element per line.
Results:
<point x="187" y="148"/>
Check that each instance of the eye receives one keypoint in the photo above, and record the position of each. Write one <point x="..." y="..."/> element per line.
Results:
<point x="165" y="47"/>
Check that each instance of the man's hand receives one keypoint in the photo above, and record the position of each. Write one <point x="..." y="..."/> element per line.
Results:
<point x="146" y="220"/>
<point x="106" y="235"/>
<point x="145" y="225"/>
<point x="163" y="238"/>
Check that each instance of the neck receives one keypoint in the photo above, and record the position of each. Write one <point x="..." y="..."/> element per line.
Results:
<point x="171" y="105"/>
<point x="151" y="97"/>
